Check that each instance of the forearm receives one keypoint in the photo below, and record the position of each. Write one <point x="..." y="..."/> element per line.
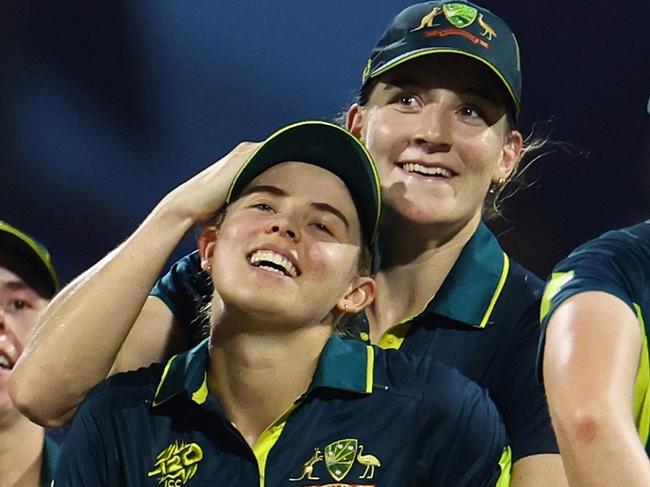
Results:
<point x="75" y="342"/>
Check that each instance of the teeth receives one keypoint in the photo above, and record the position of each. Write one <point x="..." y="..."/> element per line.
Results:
<point x="429" y="171"/>
<point x="260" y="257"/>
<point x="4" y="362"/>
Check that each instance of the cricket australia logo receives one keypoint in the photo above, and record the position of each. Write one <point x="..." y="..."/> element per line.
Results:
<point x="177" y="464"/>
<point x="460" y="16"/>
<point x="339" y="458"/>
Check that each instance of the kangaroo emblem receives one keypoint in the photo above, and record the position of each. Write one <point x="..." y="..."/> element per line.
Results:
<point x="488" y="31"/>
<point x="427" y="20"/>
<point x="308" y="467"/>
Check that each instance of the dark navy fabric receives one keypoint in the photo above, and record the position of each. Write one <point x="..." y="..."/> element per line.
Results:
<point x="420" y="424"/>
<point x="500" y="356"/>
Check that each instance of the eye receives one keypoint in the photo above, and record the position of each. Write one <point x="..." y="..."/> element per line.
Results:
<point x="321" y="227"/>
<point x="263" y="207"/>
<point x="470" y="111"/>
<point x="405" y="100"/>
<point x="19" y="304"/>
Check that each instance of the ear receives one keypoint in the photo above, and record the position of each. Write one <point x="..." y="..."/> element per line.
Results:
<point x="207" y="242"/>
<point x="360" y="295"/>
<point x="509" y="156"/>
<point x="354" y="120"/>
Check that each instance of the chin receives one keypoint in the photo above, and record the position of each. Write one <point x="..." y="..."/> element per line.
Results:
<point x="261" y="304"/>
<point x="423" y="211"/>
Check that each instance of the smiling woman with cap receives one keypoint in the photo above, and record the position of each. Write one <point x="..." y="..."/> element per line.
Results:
<point x="437" y="110"/>
<point x="273" y="397"/>
<point x="27" y="282"/>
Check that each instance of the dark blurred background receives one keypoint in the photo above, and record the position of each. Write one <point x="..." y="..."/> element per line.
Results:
<point x="106" y="106"/>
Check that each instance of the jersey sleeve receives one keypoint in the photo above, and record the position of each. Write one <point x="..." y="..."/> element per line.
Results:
<point x="617" y="263"/>
<point x="466" y="436"/>
<point x="186" y="289"/>
<point x="86" y="457"/>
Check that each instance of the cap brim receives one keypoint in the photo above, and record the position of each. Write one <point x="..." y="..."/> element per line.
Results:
<point x="16" y="242"/>
<point x="447" y="50"/>
<point x="330" y="147"/>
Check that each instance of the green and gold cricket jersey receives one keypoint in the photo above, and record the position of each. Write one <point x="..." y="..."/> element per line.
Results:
<point x="369" y="418"/>
<point x="617" y="263"/>
<point x="483" y="322"/>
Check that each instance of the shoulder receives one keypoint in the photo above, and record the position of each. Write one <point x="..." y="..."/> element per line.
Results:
<point x="518" y="302"/>
<point x="623" y="249"/>
<point x="617" y="262"/>
<point x="124" y="390"/>
<point x="524" y="281"/>
<point x="438" y="385"/>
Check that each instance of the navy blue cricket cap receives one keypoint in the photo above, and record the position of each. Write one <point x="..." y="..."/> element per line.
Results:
<point x="328" y="146"/>
<point x="26" y="250"/>
<point x="457" y="27"/>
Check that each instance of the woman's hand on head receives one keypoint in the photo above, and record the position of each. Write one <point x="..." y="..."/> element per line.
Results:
<point x="201" y="196"/>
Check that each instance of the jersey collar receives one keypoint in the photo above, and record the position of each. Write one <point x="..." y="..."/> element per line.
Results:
<point x="343" y="365"/>
<point x="51" y="452"/>
<point x="476" y="280"/>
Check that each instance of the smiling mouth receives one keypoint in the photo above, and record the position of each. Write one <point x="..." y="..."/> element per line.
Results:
<point x="436" y="171"/>
<point x="273" y="262"/>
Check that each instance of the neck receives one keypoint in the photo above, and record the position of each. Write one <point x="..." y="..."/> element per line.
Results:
<point x="257" y="376"/>
<point x="21" y="449"/>
<point x="415" y="263"/>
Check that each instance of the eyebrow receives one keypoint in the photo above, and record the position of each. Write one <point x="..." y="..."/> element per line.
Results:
<point x="14" y="285"/>
<point x="264" y="188"/>
<point x="274" y="190"/>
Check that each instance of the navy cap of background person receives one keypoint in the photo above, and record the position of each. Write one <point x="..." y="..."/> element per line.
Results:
<point x="457" y="27"/>
<point x="28" y="258"/>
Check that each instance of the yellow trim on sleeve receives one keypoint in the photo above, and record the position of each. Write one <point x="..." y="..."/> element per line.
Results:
<point x="555" y="284"/>
<point x="505" y="462"/>
<point x="642" y="384"/>
<point x="497" y="292"/>
<point x="268" y="439"/>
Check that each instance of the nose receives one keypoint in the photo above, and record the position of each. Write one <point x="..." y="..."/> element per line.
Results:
<point x="433" y="132"/>
<point x="285" y="227"/>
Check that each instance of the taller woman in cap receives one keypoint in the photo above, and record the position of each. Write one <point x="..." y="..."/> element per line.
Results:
<point x="437" y="110"/>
